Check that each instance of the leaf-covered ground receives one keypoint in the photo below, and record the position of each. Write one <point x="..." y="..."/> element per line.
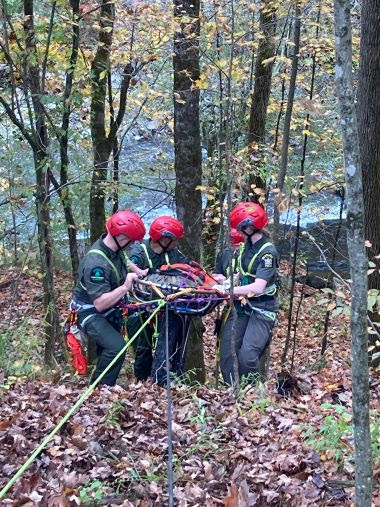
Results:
<point x="263" y="449"/>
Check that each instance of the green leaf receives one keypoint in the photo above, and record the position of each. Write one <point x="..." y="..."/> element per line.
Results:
<point x="371" y="302"/>
<point x="337" y="311"/>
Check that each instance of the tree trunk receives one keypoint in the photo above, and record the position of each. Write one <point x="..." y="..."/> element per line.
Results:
<point x="116" y="175"/>
<point x="65" y="194"/>
<point x="287" y="121"/>
<point x="194" y="362"/>
<point x="290" y="102"/>
<point x="52" y="325"/>
<point x="369" y="131"/>
<point x="187" y="146"/>
<point x="298" y="226"/>
<point x="42" y="188"/>
<point x="260" y="97"/>
<point x="357" y="254"/>
<point x="101" y="142"/>
<point x="101" y="146"/>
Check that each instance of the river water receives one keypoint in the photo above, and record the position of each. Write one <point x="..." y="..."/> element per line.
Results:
<point x="147" y="183"/>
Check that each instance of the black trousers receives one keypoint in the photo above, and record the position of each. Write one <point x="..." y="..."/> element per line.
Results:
<point x="177" y="330"/>
<point x="109" y="341"/>
<point x="142" y="345"/>
<point x="252" y="334"/>
<point x="147" y="364"/>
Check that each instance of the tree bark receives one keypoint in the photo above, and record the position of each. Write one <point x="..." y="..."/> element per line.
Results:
<point x="369" y="131"/>
<point x="64" y="193"/>
<point x="101" y="148"/>
<point x="101" y="142"/>
<point x="194" y="362"/>
<point x="187" y="145"/>
<point x="262" y="89"/>
<point x="42" y="188"/>
<point x="290" y="101"/>
<point x="287" y="121"/>
<point x="357" y="255"/>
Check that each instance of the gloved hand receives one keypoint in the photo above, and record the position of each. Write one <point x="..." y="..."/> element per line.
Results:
<point x="227" y="284"/>
<point x="221" y="288"/>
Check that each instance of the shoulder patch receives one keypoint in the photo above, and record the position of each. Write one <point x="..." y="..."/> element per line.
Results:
<point x="97" y="275"/>
<point x="267" y="260"/>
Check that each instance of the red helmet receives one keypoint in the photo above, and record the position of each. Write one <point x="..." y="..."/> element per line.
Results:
<point x="248" y="213"/>
<point x="236" y="237"/>
<point x="128" y="223"/>
<point x="166" y="227"/>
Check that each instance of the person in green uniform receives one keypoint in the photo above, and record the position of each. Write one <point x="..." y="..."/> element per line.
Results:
<point x="257" y="265"/>
<point x="103" y="282"/>
<point x="222" y="264"/>
<point x="161" y="248"/>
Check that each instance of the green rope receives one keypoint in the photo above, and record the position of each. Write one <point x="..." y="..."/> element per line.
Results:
<point x="83" y="397"/>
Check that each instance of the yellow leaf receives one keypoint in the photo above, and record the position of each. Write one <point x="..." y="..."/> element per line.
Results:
<point x="331" y="306"/>
<point x="201" y="84"/>
<point x="4" y="183"/>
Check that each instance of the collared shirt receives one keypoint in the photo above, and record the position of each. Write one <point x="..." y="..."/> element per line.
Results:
<point x="139" y="257"/>
<point x="266" y="263"/>
<point x="96" y="275"/>
<point x="265" y="267"/>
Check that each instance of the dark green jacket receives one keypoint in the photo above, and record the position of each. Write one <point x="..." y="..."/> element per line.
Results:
<point x="222" y="263"/>
<point x="97" y="275"/>
<point x="145" y="257"/>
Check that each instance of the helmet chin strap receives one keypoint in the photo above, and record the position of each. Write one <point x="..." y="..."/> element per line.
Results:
<point x="249" y="235"/>
<point x="165" y="248"/>
<point x="119" y="247"/>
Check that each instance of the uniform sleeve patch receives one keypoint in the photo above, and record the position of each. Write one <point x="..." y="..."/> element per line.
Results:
<point x="267" y="261"/>
<point x="97" y="275"/>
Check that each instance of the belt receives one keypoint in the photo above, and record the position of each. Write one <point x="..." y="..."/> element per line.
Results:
<point x="267" y="313"/>
<point x="79" y="306"/>
<point x="263" y="297"/>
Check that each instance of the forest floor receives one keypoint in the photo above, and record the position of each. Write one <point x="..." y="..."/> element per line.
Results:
<point x="263" y="448"/>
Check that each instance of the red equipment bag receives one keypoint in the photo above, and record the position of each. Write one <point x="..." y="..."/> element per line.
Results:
<point x="194" y="271"/>
<point x="79" y="360"/>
